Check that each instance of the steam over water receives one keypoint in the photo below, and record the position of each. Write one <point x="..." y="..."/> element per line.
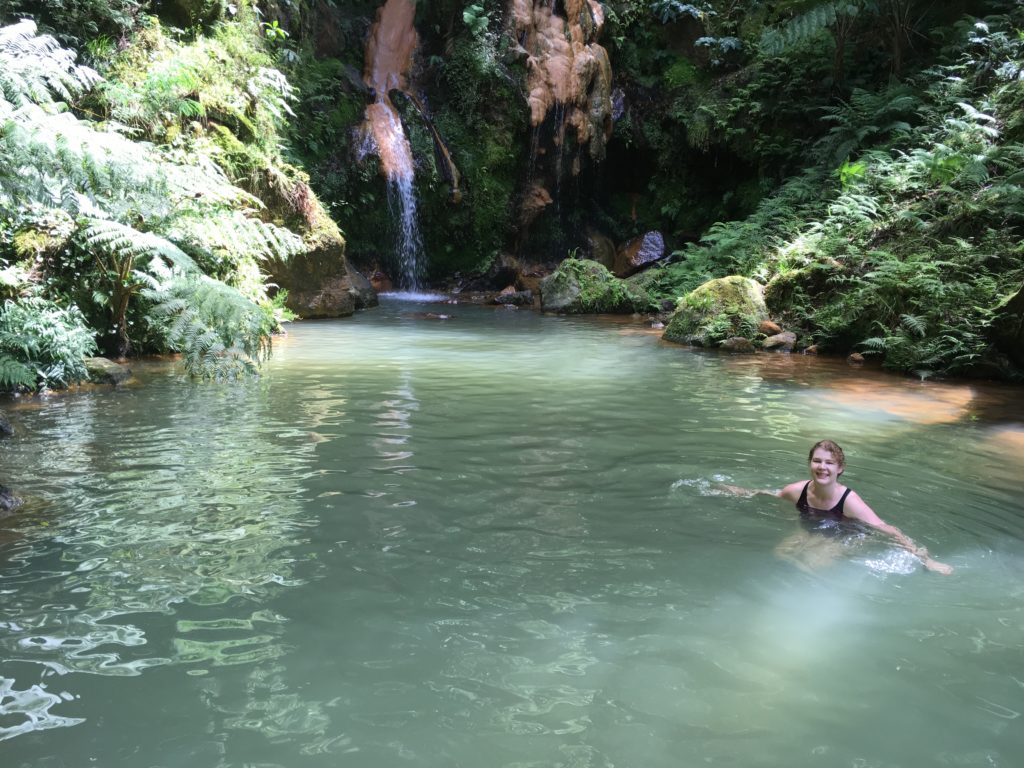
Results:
<point x="500" y="540"/>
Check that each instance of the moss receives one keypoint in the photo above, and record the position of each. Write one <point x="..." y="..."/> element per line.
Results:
<point x="582" y="286"/>
<point x="716" y="310"/>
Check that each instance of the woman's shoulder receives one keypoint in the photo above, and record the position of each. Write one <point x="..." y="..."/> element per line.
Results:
<point x="792" y="491"/>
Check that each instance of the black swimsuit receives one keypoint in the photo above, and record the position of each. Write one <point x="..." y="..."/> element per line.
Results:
<point x="826" y="521"/>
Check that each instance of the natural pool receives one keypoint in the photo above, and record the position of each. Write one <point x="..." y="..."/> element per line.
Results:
<point x="496" y="540"/>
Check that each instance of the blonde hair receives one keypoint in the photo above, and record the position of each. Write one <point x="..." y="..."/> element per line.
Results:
<point x="834" y="449"/>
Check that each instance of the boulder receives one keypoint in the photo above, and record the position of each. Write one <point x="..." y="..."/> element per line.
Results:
<point x="717" y="310"/>
<point x="769" y="328"/>
<point x="104" y="371"/>
<point x="783" y="342"/>
<point x="581" y="285"/>
<point x="639" y="253"/>
<point x="855" y="358"/>
<point x="737" y="345"/>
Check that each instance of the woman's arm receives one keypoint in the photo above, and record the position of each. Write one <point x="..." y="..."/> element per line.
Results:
<point x="858" y="510"/>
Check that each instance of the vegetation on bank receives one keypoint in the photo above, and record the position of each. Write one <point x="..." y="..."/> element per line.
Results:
<point x="133" y="213"/>
<point x="862" y="159"/>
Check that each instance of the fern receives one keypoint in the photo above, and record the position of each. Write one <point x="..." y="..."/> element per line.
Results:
<point x="806" y="26"/>
<point x="36" y="70"/>
<point x="43" y="344"/>
<point x="220" y="333"/>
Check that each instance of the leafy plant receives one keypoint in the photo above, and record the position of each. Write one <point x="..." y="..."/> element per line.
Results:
<point x="42" y="345"/>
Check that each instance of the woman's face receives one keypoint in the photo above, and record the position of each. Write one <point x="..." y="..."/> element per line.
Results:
<point x="824" y="467"/>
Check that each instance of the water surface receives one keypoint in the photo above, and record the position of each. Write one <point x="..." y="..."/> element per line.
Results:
<point x="497" y="539"/>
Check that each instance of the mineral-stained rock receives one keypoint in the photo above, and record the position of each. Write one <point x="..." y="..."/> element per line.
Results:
<point x="769" y="328"/>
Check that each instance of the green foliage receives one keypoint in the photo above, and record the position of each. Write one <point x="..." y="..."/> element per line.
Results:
<point x="42" y="345"/>
<point x="219" y="333"/>
<point x="807" y="26"/>
<point x="76" y="21"/>
<point x="105" y="222"/>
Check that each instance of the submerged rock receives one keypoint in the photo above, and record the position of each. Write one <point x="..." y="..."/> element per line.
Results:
<point x="104" y="371"/>
<point x="8" y="501"/>
<point x="717" y="310"/>
<point x="6" y="428"/>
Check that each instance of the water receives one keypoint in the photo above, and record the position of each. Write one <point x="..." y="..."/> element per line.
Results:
<point x="499" y="540"/>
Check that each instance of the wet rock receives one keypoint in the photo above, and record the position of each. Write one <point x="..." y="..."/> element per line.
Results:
<point x="811" y="350"/>
<point x="855" y="358"/>
<point x="718" y="309"/>
<point x="737" y="345"/>
<point x="769" y="328"/>
<point x="515" y="298"/>
<point x="639" y="253"/>
<point x="8" y="501"/>
<point x="782" y="342"/>
<point x="6" y="428"/>
<point x="380" y="281"/>
<point x="104" y="371"/>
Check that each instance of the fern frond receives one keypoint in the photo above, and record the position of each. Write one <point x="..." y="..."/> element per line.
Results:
<point x="33" y="70"/>
<point x="113" y="237"/>
<point x="219" y="332"/>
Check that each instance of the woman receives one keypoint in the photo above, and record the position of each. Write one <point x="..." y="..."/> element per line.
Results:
<point x="825" y="503"/>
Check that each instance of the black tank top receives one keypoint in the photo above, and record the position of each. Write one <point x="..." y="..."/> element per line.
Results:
<point x="806" y="510"/>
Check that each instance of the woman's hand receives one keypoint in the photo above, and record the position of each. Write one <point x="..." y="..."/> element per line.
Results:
<point x="936" y="566"/>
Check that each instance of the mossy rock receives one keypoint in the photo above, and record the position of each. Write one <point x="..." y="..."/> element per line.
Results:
<point x="321" y="282"/>
<point x="717" y="310"/>
<point x="582" y="286"/>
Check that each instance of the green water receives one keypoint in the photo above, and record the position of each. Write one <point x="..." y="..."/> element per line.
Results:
<point x="497" y="540"/>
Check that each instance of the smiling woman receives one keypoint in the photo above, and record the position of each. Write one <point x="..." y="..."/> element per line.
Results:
<point x="823" y="501"/>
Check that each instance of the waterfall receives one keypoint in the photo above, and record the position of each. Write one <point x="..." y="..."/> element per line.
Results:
<point x="389" y="53"/>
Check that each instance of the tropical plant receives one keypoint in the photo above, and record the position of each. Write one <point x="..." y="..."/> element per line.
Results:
<point x="42" y="345"/>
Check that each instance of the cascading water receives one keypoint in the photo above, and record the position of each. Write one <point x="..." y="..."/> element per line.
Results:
<point x="388" y="60"/>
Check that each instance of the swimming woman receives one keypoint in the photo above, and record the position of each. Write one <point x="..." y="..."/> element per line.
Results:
<point x="824" y="503"/>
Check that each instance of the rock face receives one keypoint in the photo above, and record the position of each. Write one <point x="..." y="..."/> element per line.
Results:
<point x="320" y="282"/>
<point x="717" y="310"/>
<point x="104" y="371"/>
<point x="638" y="253"/>
<point x="580" y="286"/>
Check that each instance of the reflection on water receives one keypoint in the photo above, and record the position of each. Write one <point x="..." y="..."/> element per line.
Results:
<point x="500" y="541"/>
